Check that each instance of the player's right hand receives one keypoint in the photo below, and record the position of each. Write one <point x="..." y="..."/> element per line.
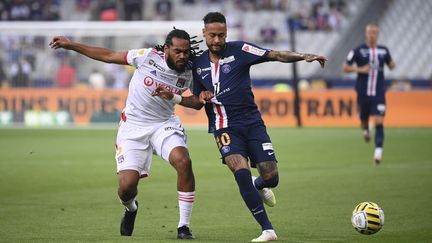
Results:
<point x="59" y="42"/>
<point x="163" y="93"/>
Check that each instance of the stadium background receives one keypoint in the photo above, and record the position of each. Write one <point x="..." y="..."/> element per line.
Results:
<point x="59" y="185"/>
<point x="43" y="87"/>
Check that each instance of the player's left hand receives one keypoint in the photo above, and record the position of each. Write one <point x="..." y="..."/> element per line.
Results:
<point x="163" y="93"/>
<point x="205" y="96"/>
<point x="313" y="57"/>
<point x="60" y="42"/>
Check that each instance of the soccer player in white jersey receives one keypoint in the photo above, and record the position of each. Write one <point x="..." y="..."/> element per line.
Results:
<point x="147" y="123"/>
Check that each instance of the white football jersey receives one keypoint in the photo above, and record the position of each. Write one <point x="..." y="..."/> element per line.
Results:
<point x="151" y="72"/>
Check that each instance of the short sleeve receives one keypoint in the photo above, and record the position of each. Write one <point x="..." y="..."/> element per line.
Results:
<point x="350" y="58"/>
<point x="132" y="56"/>
<point x="253" y="54"/>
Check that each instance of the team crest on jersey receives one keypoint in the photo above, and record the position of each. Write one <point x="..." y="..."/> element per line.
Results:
<point x="180" y="82"/>
<point x="198" y="71"/>
<point x="253" y="50"/>
<point x="226" y="68"/>
<point x="364" y="52"/>
<point x="120" y="159"/>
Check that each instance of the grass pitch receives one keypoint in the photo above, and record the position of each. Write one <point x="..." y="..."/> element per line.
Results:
<point x="59" y="185"/>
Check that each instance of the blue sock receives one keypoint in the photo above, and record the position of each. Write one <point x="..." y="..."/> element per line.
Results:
<point x="259" y="183"/>
<point x="271" y="183"/>
<point x="379" y="135"/>
<point x="251" y="198"/>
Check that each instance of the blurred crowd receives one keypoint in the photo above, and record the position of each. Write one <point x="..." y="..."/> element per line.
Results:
<point x="307" y="15"/>
<point x="31" y="64"/>
<point x="30" y="10"/>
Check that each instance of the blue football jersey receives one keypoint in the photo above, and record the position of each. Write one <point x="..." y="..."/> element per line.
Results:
<point x="371" y="84"/>
<point x="233" y="104"/>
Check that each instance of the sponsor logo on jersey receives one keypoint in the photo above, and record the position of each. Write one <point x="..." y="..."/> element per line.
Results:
<point x="227" y="60"/>
<point x="167" y="78"/>
<point x="180" y="82"/>
<point x="148" y="81"/>
<point x="200" y="70"/>
<point x="253" y="50"/>
<point x="226" y="68"/>
<point x="169" y="88"/>
<point x="157" y="66"/>
<point x="153" y="72"/>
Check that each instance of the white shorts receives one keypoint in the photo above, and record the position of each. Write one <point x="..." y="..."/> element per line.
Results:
<point x="136" y="144"/>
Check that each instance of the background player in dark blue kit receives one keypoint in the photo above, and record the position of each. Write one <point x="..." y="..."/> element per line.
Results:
<point x="370" y="59"/>
<point x="233" y="116"/>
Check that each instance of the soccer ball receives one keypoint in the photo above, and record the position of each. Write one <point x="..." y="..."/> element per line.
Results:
<point x="367" y="218"/>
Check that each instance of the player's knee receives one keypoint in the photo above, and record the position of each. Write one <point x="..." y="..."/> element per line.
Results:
<point x="128" y="184"/>
<point x="127" y="192"/>
<point x="183" y="165"/>
<point x="272" y="182"/>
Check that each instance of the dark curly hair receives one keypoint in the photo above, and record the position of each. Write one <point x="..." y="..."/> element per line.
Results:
<point x="182" y="34"/>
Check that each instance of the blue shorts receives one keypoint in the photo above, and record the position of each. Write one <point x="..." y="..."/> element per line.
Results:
<point x="252" y="142"/>
<point x="371" y="106"/>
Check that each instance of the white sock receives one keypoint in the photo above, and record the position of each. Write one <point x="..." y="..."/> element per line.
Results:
<point x="130" y="205"/>
<point x="186" y="202"/>
<point x="378" y="153"/>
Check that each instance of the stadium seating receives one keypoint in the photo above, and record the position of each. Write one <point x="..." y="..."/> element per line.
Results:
<point x="407" y="40"/>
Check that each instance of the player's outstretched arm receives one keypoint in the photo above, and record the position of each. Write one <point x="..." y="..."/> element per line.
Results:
<point x="195" y="102"/>
<point x="289" y="56"/>
<point x="97" y="53"/>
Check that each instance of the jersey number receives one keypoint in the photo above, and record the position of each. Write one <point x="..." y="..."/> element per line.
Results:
<point x="223" y="140"/>
<point x="216" y="88"/>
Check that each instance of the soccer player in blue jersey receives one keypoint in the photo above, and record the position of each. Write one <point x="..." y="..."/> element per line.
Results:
<point x="233" y="116"/>
<point x="369" y="59"/>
